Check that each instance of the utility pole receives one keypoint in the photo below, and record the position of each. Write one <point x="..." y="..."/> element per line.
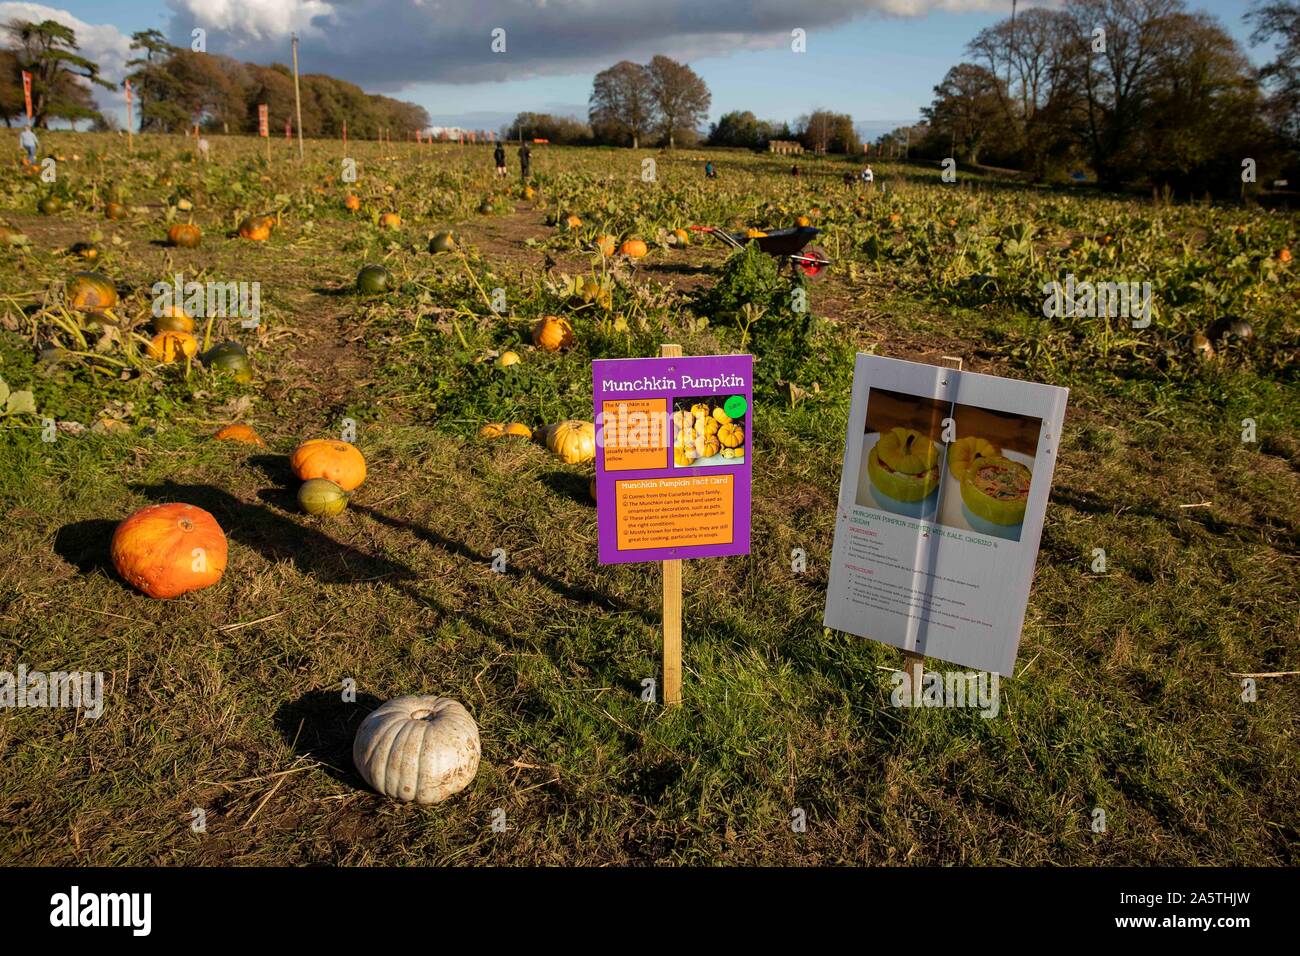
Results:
<point x="297" y="97"/>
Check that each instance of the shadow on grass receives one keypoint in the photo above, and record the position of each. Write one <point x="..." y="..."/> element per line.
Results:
<point x="569" y="485"/>
<point x="85" y="545"/>
<point x="278" y="538"/>
<point x="320" y="725"/>
<point x="568" y="591"/>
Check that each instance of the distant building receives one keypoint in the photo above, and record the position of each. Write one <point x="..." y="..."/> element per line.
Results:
<point x="784" y="146"/>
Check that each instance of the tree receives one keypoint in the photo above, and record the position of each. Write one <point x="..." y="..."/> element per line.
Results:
<point x="622" y="105"/>
<point x="741" y="129"/>
<point x="1279" y="22"/>
<point x="824" y="131"/>
<point x="561" y="130"/>
<point x="48" y="51"/>
<point x="12" y="103"/>
<point x="968" y="106"/>
<point x="680" y="96"/>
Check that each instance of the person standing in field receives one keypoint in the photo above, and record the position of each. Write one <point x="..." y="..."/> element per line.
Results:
<point x="499" y="155"/>
<point x="709" y="171"/>
<point x="525" y="161"/>
<point x="868" y="176"/>
<point x="27" y="140"/>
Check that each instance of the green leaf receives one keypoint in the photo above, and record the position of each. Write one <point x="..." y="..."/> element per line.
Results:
<point x="20" y="403"/>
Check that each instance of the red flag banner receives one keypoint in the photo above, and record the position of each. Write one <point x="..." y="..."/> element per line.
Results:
<point x="27" y="93"/>
<point x="263" y="120"/>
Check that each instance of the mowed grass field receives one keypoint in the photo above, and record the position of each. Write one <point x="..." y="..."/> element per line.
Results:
<point x="230" y="700"/>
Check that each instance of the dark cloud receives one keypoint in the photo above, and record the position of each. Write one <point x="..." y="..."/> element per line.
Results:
<point x="386" y="45"/>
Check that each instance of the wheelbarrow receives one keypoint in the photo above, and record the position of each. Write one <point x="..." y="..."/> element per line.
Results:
<point x="786" y="245"/>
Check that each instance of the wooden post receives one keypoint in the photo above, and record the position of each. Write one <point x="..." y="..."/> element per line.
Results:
<point x="297" y="98"/>
<point x="672" y="605"/>
<point x="914" y="663"/>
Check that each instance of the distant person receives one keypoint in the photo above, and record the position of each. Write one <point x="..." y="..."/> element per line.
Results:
<point x="499" y="154"/>
<point x="849" y="179"/>
<point x="868" y="176"/>
<point x="27" y="140"/>
<point x="525" y="161"/>
<point x="709" y="171"/>
<point x="794" y="170"/>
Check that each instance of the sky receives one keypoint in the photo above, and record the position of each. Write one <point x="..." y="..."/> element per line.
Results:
<point x="877" y="60"/>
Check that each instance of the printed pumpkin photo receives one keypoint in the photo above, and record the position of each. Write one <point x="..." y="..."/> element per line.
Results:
<point x="705" y="435"/>
<point x="990" y="471"/>
<point x="902" y="451"/>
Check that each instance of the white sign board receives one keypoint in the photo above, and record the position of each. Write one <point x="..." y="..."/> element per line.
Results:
<point x="944" y="489"/>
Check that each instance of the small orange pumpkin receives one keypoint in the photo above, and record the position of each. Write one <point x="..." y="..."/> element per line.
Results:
<point x="339" y="461"/>
<point x="168" y="549"/>
<point x="256" y="228"/>
<point x="574" y="441"/>
<point x="606" y="245"/>
<point x="114" y="210"/>
<point x="352" y="202"/>
<point x="572" y="222"/>
<point x="633" y="248"/>
<point x="239" y="433"/>
<point x="390" y="220"/>
<point x="173" y="318"/>
<point x="184" y="234"/>
<point x="1284" y="255"/>
<point x="171" y="346"/>
<point x="552" y="333"/>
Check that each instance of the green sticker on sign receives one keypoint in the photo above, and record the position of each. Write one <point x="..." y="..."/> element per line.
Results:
<point x="735" y="406"/>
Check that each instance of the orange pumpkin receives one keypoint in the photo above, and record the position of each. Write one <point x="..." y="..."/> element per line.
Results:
<point x="552" y="333"/>
<point x="239" y="433"/>
<point x="633" y="248"/>
<point x="1284" y="255"/>
<point x="390" y="220"/>
<point x="173" y="318"/>
<point x="339" y="461"/>
<point x="166" y="550"/>
<point x="114" y="210"/>
<point x="90" y="292"/>
<point x="352" y="203"/>
<point x="574" y="441"/>
<point x="184" y="234"/>
<point x="606" y="245"/>
<point x="572" y="222"/>
<point x="171" y="346"/>
<point x="256" y="228"/>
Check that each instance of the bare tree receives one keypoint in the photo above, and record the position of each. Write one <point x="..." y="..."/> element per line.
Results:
<point x="680" y="95"/>
<point x="622" y="102"/>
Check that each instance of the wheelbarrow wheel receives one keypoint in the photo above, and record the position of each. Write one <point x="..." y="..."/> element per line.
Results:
<point x="815" y="263"/>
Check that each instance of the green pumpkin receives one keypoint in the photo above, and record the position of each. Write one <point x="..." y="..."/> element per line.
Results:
<point x="442" y="242"/>
<point x="374" y="280"/>
<point x="49" y="205"/>
<point x="320" y="496"/>
<point x="231" y="358"/>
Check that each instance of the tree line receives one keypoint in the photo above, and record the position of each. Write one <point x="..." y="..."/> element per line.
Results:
<point x="1138" y="91"/>
<point x="174" y="88"/>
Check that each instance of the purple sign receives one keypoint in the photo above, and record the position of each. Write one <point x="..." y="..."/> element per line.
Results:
<point x="674" y="444"/>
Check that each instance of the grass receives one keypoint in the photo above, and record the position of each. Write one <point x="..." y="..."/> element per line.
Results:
<point x="231" y="700"/>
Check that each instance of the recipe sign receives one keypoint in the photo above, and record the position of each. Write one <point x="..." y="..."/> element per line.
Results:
<point x="674" y="447"/>
<point x="942" y="499"/>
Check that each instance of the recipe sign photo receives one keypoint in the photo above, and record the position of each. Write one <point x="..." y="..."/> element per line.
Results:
<point x="673" y="455"/>
<point x="942" y="499"/>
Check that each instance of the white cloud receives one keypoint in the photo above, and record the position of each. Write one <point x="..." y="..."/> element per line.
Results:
<point x="100" y="43"/>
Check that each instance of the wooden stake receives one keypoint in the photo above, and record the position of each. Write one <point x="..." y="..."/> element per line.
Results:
<point x="297" y="98"/>
<point x="914" y="663"/>
<point x="672" y="605"/>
